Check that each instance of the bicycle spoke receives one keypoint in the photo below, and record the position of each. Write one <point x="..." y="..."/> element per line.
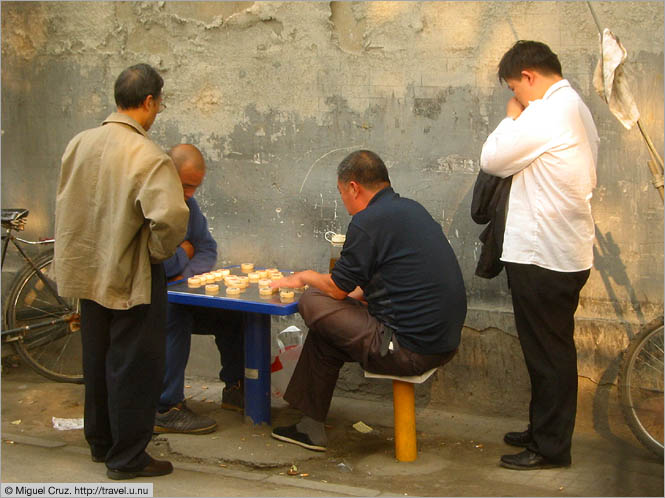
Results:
<point x="654" y="368"/>
<point x="656" y="363"/>
<point x="52" y="352"/>
<point x="652" y="355"/>
<point x="41" y="338"/>
<point x="63" y="349"/>
<point x="45" y="308"/>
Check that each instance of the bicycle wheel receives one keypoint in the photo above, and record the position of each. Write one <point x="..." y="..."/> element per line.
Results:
<point x="55" y="350"/>
<point x="641" y="386"/>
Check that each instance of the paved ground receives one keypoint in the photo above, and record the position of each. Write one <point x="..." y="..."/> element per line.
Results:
<point x="458" y="453"/>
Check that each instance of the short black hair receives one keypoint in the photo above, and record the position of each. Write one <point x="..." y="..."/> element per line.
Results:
<point x="134" y="84"/>
<point x="363" y="167"/>
<point x="527" y="54"/>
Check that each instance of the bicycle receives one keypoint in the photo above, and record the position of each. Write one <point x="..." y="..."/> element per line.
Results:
<point x="42" y="326"/>
<point x="640" y="379"/>
<point x="641" y="385"/>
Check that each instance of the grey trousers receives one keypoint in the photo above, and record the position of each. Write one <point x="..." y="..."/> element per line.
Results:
<point x="343" y="331"/>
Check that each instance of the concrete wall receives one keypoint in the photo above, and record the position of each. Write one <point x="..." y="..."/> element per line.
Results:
<point x="276" y="94"/>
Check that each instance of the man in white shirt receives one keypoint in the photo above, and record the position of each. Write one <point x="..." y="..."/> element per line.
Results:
<point x="549" y="143"/>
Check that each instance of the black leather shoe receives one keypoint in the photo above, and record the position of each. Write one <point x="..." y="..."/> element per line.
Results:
<point x="520" y="439"/>
<point x="528" y="460"/>
<point x="153" y="469"/>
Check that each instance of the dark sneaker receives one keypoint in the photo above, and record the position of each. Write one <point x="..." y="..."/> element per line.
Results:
<point x="291" y="435"/>
<point x="182" y="420"/>
<point x="153" y="469"/>
<point x="233" y="396"/>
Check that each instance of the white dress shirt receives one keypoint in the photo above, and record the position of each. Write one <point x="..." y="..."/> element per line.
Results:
<point x="551" y="149"/>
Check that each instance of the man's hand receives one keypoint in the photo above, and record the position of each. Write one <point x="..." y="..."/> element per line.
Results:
<point x="177" y="277"/>
<point x="292" y="281"/>
<point x="188" y="248"/>
<point x="514" y="108"/>
<point x="358" y="294"/>
<point x="321" y="281"/>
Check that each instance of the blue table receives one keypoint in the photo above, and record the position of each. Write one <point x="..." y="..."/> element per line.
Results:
<point x="257" y="335"/>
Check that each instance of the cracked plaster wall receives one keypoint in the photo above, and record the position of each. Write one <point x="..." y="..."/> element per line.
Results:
<point x="276" y="94"/>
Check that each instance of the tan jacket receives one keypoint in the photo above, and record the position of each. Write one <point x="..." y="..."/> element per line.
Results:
<point x="119" y="207"/>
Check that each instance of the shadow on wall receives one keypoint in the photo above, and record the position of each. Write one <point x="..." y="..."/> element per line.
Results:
<point x="608" y="263"/>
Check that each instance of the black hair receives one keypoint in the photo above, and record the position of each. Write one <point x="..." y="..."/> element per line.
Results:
<point x="363" y="167"/>
<point x="527" y="54"/>
<point x="134" y="84"/>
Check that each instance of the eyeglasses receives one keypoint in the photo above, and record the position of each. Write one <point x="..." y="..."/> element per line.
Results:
<point x="162" y="105"/>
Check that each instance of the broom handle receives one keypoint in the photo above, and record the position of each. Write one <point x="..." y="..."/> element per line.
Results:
<point x="651" y="147"/>
<point x="657" y="177"/>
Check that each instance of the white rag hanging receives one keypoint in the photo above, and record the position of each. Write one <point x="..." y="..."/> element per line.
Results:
<point x="609" y="80"/>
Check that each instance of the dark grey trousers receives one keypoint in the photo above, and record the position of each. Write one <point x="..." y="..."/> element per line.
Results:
<point x="343" y="331"/>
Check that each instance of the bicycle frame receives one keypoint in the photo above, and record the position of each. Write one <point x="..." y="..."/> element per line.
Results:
<point x="9" y="237"/>
<point x="40" y="324"/>
<point x="67" y="318"/>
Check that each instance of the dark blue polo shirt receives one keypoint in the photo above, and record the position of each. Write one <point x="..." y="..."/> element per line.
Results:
<point x="398" y="254"/>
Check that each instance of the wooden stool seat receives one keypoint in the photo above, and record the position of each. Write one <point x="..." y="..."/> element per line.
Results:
<point x="404" y="410"/>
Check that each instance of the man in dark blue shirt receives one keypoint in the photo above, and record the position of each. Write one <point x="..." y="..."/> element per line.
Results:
<point x="394" y="302"/>
<point x="197" y="254"/>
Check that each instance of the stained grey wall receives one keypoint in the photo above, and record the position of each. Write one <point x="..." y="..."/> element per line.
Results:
<point x="276" y="94"/>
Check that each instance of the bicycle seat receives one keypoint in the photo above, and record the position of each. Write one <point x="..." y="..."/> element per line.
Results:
<point x="13" y="218"/>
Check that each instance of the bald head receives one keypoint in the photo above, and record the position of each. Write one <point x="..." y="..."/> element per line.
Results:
<point x="185" y="154"/>
<point x="190" y="165"/>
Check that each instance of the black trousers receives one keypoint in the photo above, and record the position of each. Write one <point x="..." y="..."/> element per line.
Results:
<point x="544" y="302"/>
<point x="343" y="331"/>
<point x="123" y="369"/>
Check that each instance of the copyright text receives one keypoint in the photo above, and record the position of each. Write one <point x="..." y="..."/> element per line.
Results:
<point x="75" y="490"/>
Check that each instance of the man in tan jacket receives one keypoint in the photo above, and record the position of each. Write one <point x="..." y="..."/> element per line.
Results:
<point x="120" y="212"/>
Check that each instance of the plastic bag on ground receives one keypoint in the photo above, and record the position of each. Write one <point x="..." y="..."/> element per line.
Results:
<point x="289" y="346"/>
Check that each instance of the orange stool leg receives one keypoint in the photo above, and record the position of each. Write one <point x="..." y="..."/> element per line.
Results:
<point x="404" y="408"/>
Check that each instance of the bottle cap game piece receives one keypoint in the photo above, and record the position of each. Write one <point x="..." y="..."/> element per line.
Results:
<point x="212" y="289"/>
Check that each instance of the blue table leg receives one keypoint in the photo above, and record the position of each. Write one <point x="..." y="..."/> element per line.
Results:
<point x="257" y="368"/>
